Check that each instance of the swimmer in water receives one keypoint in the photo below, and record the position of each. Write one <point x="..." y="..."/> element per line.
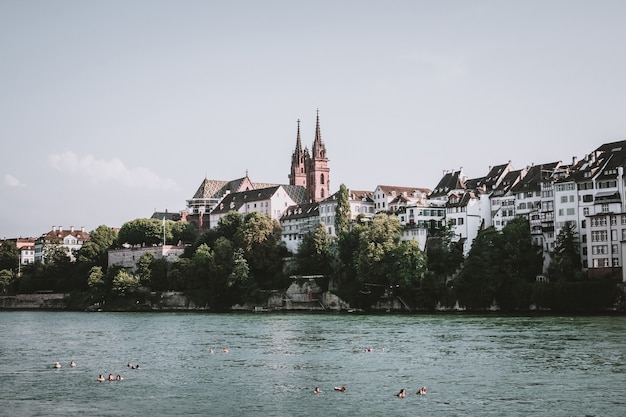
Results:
<point x="341" y="388"/>
<point x="100" y="378"/>
<point x="401" y="394"/>
<point x="111" y="378"/>
<point x="57" y="365"/>
<point x="72" y="364"/>
<point x="317" y="390"/>
<point x="119" y="377"/>
<point x="421" y="391"/>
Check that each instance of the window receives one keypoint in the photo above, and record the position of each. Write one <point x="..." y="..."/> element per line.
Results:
<point x="563" y="199"/>
<point x="599" y="236"/>
<point x="605" y="208"/>
<point x="570" y="211"/>
<point x="461" y="220"/>
<point x="600" y="250"/>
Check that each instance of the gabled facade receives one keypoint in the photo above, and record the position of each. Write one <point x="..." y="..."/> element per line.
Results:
<point x="602" y="214"/>
<point x="361" y="209"/>
<point x="272" y="201"/>
<point x="502" y="199"/>
<point x="26" y="250"/>
<point x="467" y="204"/>
<point x="296" y="222"/>
<point x="418" y="218"/>
<point x="384" y="195"/>
<point x="70" y="239"/>
<point x="210" y="193"/>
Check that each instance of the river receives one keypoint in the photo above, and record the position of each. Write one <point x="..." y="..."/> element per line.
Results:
<point x="472" y="365"/>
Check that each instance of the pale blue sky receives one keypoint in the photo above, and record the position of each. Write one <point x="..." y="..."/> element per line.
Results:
<point x="112" y="109"/>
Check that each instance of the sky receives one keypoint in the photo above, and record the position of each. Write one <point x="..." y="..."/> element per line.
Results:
<point x="111" y="110"/>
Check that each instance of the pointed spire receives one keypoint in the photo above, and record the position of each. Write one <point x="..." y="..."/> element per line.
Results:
<point x="318" y="132"/>
<point x="298" y="141"/>
<point x="318" y="145"/>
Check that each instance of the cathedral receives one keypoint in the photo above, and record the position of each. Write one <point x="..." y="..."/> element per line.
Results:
<point x="310" y="170"/>
<point x="309" y="181"/>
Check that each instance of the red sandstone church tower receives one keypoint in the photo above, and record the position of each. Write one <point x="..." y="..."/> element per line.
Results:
<point x="311" y="170"/>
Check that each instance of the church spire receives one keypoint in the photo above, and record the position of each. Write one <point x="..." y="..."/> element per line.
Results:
<point x="318" y="145"/>
<point x="298" y="141"/>
<point x="297" y="174"/>
<point x="318" y="172"/>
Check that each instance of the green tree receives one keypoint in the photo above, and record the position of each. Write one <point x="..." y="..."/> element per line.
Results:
<point x="178" y="275"/>
<point x="146" y="232"/>
<point x="9" y="255"/>
<point x="6" y="279"/>
<point x="314" y="252"/>
<point x="409" y="266"/>
<point x="95" y="280"/>
<point x="565" y="264"/>
<point x="181" y="232"/>
<point x="522" y="261"/>
<point x="144" y="269"/>
<point x="259" y="237"/>
<point x="94" y="252"/>
<point x="477" y="283"/>
<point x="377" y="243"/>
<point x="444" y="255"/>
<point x="342" y="211"/>
<point x="125" y="283"/>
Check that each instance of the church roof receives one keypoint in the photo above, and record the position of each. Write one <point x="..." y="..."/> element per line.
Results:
<point x="217" y="188"/>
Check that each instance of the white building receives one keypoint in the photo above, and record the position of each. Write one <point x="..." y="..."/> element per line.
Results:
<point x="272" y="201"/>
<point x="71" y="239"/>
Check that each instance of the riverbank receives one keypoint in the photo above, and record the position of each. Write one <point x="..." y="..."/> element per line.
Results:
<point x="275" y="302"/>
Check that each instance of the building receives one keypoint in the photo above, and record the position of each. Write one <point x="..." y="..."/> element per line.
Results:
<point x="272" y="201"/>
<point x="296" y="222"/>
<point x="129" y="257"/>
<point x="70" y="239"/>
<point x="310" y="170"/>
<point x="26" y="250"/>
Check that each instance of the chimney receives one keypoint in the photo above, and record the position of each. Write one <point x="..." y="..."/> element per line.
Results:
<point x="72" y="229"/>
<point x="54" y="228"/>
<point x="82" y="229"/>
<point x="574" y="160"/>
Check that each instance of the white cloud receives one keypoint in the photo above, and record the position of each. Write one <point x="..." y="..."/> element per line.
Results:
<point x="114" y="170"/>
<point x="11" y="181"/>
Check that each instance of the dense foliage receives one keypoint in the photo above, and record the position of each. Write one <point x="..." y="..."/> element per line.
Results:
<point x="243" y="259"/>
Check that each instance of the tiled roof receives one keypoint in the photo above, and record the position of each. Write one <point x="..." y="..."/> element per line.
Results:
<point x="61" y="234"/>
<point x="534" y="176"/>
<point x="450" y="181"/>
<point x="300" y="211"/>
<point x="168" y="216"/>
<point x="391" y="189"/>
<point x="234" y="201"/>
<point x="296" y="192"/>
<point x="509" y="180"/>
<point x="359" y="195"/>
<point x="216" y="189"/>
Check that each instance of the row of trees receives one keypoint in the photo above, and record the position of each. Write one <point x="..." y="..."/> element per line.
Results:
<point x="243" y="258"/>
